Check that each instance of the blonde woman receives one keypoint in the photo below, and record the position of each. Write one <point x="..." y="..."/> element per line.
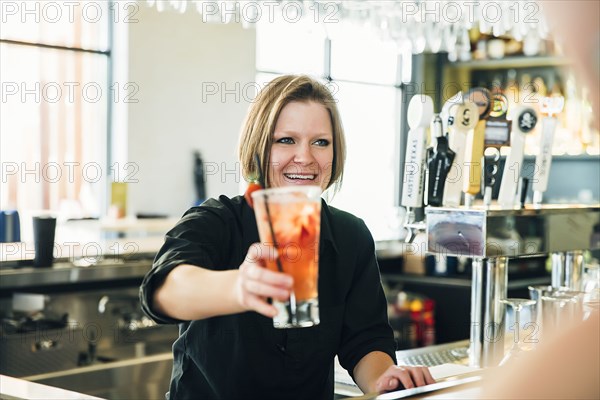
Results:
<point x="207" y="279"/>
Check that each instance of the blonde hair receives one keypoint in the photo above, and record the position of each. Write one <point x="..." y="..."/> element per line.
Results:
<point x="258" y="128"/>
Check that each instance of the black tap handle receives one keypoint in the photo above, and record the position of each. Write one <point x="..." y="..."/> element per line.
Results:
<point x="523" y="191"/>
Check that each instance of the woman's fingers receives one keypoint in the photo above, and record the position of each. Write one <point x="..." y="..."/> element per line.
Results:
<point x="392" y="384"/>
<point x="261" y="306"/>
<point x="256" y="283"/>
<point x="417" y="376"/>
<point x="392" y="377"/>
<point x="258" y="273"/>
<point x="404" y="376"/>
<point x="428" y="378"/>
<point x="408" y="376"/>
<point x="262" y="289"/>
<point x="255" y="262"/>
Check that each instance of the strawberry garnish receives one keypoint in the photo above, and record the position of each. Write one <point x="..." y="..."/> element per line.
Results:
<point x="252" y="187"/>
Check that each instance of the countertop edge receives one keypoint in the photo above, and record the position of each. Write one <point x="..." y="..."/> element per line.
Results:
<point x="15" y="388"/>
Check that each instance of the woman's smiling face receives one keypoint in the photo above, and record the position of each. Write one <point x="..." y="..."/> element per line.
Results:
<point x="302" y="149"/>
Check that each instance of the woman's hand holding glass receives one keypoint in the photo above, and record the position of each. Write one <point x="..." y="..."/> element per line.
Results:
<point x="255" y="283"/>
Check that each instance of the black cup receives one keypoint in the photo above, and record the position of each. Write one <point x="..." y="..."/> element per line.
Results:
<point x="43" y="240"/>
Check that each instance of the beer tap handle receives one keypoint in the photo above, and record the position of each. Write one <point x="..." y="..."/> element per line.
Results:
<point x="420" y="111"/>
<point x="523" y="122"/>
<point x="456" y="143"/>
<point x="522" y="191"/>
<point x="465" y="117"/>
<point x="447" y="114"/>
<point x="497" y="135"/>
<point x="491" y="165"/>
<point x="473" y="161"/>
<point x="439" y="161"/>
<point x="550" y="106"/>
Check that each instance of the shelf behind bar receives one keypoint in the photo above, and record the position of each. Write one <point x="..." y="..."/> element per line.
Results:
<point x="513" y="283"/>
<point x="513" y="62"/>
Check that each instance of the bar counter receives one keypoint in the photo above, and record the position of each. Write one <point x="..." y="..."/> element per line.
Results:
<point x="19" y="389"/>
<point x="448" y="364"/>
<point x="455" y="379"/>
<point x="14" y="388"/>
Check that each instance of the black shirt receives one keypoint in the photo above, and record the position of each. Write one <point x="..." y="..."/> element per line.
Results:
<point x="242" y="356"/>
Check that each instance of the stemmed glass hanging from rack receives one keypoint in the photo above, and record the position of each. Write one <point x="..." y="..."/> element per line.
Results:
<point x="422" y="25"/>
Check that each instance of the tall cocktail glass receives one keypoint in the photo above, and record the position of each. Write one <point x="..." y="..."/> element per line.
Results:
<point x="289" y="219"/>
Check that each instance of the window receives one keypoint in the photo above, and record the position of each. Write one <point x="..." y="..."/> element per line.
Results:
<point x="370" y="114"/>
<point x="360" y="60"/>
<point x="287" y="48"/>
<point x="364" y="80"/>
<point x="54" y="75"/>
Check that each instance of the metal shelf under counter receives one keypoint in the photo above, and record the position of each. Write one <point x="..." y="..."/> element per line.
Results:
<point x="66" y="273"/>
<point x="75" y="263"/>
<point x="463" y="282"/>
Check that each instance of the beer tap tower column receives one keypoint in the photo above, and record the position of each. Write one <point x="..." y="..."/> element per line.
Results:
<point x="493" y="237"/>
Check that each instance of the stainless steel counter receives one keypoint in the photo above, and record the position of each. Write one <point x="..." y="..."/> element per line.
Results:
<point x="66" y="273"/>
<point x="118" y="259"/>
